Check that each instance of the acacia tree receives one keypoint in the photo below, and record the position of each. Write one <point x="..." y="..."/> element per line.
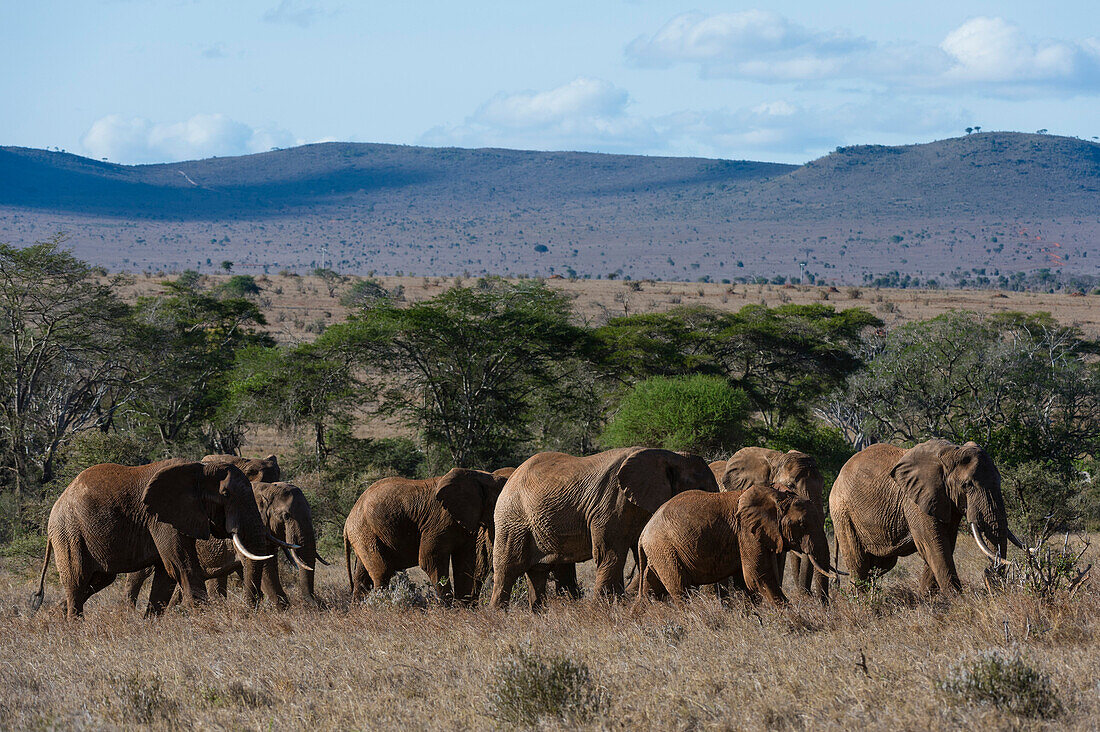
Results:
<point x="67" y="356"/>
<point x="190" y="339"/>
<point x="784" y="358"/>
<point x="467" y="366"/>
<point x="292" y="387"/>
<point x="1023" y="386"/>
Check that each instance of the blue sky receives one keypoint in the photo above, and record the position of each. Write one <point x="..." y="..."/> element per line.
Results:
<point x="156" y="80"/>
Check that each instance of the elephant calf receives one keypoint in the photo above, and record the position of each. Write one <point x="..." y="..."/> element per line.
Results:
<point x="794" y="470"/>
<point x="698" y="538"/>
<point x="435" y="523"/>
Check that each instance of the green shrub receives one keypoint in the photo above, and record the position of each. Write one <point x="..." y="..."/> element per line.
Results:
<point x="240" y="286"/>
<point x="1009" y="684"/>
<point x="1040" y="498"/>
<point x="527" y="687"/>
<point x="700" y="414"/>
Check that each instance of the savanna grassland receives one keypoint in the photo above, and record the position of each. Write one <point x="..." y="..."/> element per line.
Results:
<point x="876" y="662"/>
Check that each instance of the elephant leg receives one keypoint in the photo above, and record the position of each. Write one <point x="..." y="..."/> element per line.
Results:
<point x="857" y="562"/>
<point x="160" y="592"/>
<point x="436" y="565"/>
<point x="134" y="582"/>
<point x="218" y="586"/>
<point x="253" y="581"/>
<point x="177" y="597"/>
<point x="70" y="569"/>
<point x="504" y="579"/>
<point x="939" y="558"/>
<point x="781" y="564"/>
<point x="510" y="560"/>
<point x="565" y="576"/>
<point x="362" y="583"/>
<point x="272" y="587"/>
<point x="610" y="561"/>
<point x="536" y="587"/>
<point x="802" y="573"/>
<point x="464" y="570"/>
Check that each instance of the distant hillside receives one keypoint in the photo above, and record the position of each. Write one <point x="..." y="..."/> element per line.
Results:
<point x="999" y="202"/>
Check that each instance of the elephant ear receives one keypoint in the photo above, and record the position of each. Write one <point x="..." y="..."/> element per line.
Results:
<point x="646" y="477"/>
<point x="749" y="466"/>
<point x="174" y="495"/>
<point x="462" y="495"/>
<point x="758" y="515"/>
<point x="273" y="468"/>
<point x="921" y="476"/>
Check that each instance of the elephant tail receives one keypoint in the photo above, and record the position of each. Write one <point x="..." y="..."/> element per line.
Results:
<point x="36" y="598"/>
<point x="836" y="553"/>
<point x="347" y="560"/>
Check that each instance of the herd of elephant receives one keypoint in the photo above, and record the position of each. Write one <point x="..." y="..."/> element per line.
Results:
<point x="735" y="524"/>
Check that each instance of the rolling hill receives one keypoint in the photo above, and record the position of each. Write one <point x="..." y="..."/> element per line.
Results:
<point x="999" y="202"/>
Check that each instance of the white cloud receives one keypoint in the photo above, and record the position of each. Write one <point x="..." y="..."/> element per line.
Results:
<point x="753" y="44"/>
<point x="594" y="115"/>
<point x="585" y="114"/>
<point x="138" y="140"/>
<point x="990" y="55"/>
<point x="995" y="51"/>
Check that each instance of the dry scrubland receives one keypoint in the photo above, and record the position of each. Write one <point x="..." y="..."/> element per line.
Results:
<point x="298" y="308"/>
<point x="378" y="666"/>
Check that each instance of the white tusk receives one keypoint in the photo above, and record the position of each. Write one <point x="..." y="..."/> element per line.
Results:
<point x="831" y="574"/>
<point x="299" y="562"/>
<point x="981" y="545"/>
<point x="247" y="554"/>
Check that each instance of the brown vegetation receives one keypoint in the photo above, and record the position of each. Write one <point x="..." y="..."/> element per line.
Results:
<point x="875" y="662"/>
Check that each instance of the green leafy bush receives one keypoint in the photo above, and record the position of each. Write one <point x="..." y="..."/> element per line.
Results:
<point x="700" y="414"/>
<point x="527" y="687"/>
<point x="1009" y="684"/>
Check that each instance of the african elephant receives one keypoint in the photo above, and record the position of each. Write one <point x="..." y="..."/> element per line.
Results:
<point x="398" y="523"/>
<point x="795" y="470"/>
<point x="114" y="518"/>
<point x="558" y="509"/>
<point x="888" y="502"/>
<point x="699" y="538"/>
<point x="257" y="470"/>
<point x="718" y="467"/>
<point x="286" y="514"/>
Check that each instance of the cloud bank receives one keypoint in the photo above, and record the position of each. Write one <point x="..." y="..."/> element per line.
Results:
<point x="135" y="140"/>
<point x="595" y="115"/>
<point x="990" y="55"/>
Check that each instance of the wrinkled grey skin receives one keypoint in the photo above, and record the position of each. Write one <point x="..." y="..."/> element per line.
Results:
<point x="699" y="538"/>
<point x="114" y="519"/>
<point x="257" y="470"/>
<point x="799" y="473"/>
<point x="559" y="509"/>
<point x="888" y="502"/>
<point x="439" y="524"/>
<point x="286" y="514"/>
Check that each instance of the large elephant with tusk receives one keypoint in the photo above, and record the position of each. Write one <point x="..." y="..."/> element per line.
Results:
<point x="889" y="502"/>
<point x="115" y="518"/>
<point x="288" y="525"/>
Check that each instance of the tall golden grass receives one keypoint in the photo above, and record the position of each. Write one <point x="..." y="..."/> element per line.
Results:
<point x="866" y="662"/>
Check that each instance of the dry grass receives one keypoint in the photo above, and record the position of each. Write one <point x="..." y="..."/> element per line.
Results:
<point x="383" y="666"/>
